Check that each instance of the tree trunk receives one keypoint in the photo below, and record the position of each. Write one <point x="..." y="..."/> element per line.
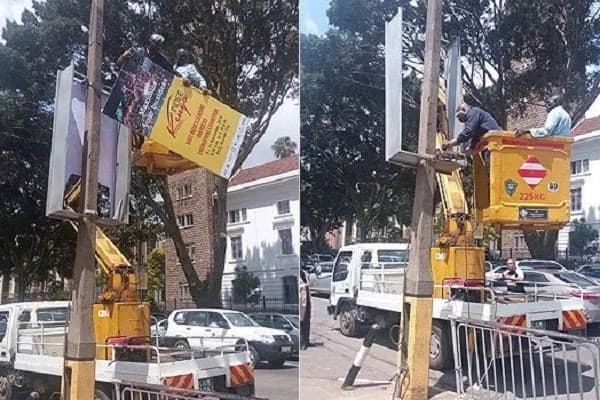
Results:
<point x="541" y="244"/>
<point x="211" y="296"/>
<point x="167" y="215"/>
<point x="348" y="231"/>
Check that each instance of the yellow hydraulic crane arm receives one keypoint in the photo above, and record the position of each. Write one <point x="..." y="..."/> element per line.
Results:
<point x="457" y="228"/>
<point x="121" y="285"/>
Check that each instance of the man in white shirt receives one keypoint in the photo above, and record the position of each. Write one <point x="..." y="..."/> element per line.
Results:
<point x="513" y="273"/>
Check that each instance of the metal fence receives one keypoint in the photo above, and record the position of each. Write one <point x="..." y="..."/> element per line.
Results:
<point x="503" y="362"/>
<point x="161" y="392"/>
<point x="264" y="304"/>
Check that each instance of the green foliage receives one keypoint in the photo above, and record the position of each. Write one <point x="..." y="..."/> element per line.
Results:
<point x="156" y="270"/>
<point x="245" y="287"/>
<point x="249" y="51"/>
<point x="284" y="147"/>
<point x="344" y="172"/>
<point x="581" y="237"/>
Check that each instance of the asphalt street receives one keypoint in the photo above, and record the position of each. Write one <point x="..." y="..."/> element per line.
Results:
<point x="277" y="383"/>
<point x="324" y="365"/>
<point x="326" y="362"/>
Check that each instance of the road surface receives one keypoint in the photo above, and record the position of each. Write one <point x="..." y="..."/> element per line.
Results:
<point x="277" y="384"/>
<point x="324" y="365"/>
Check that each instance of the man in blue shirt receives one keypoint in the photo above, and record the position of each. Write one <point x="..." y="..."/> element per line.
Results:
<point x="558" y="121"/>
<point x="477" y="122"/>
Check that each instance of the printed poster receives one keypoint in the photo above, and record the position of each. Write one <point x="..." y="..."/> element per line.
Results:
<point x="198" y="127"/>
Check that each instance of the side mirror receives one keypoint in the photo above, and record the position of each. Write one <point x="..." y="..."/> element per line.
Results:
<point x="318" y="270"/>
<point x="286" y="327"/>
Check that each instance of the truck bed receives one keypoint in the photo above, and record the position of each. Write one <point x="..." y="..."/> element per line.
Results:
<point x="383" y="289"/>
<point x="40" y="350"/>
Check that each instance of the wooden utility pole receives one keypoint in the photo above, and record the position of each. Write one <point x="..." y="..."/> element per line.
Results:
<point x="79" y="369"/>
<point x="419" y="283"/>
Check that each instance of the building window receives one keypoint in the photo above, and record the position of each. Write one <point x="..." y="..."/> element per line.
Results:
<point x="185" y="221"/>
<point x="519" y="241"/>
<point x="580" y="167"/>
<point x="285" y="236"/>
<point x="237" y="252"/>
<point x="576" y="199"/>
<point x="238" y="215"/>
<point x="290" y="289"/>
<point x="191" y="250"/>
<point x="283" y="207"/>
<point x="184" y="191"/>
<point x="184" y="290"/>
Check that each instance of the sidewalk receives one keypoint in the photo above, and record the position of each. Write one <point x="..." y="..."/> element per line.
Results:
<point x="312" y="389"/>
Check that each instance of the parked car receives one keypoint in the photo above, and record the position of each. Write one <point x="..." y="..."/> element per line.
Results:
<point x="207" y="329"/>
<point x="540" y="264"/>
<point x="159" y="328"/>
<point x="319" y="258"/>
<point x="280" y="321"/>
<point x="592" y="271"/>
<point x="565" y="283"/>
<point x="319" y="279"/>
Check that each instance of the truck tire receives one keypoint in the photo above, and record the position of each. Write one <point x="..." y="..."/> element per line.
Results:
<point x="440" y="351"/>
<point x="100" y="395"/>
<point x="181" y="344"/>
<point x="277" y="363"/>
<point x="5" y="388"/>
<point x="349" y="326"/>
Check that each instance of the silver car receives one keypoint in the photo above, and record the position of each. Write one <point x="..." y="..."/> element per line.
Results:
<point x="319" y="278"/>
<point x="564" y="283"/>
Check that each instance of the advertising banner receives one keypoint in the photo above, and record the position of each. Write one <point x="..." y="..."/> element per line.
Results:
<point x="66" y="158"/>
<point x="156" y="104"/>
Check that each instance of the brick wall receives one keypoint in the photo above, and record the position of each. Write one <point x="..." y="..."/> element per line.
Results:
<point x="513" y="243"/>
<point x="198" y="204"/>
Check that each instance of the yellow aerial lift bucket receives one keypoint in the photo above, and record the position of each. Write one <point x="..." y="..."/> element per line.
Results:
<point x="527" y="184"/>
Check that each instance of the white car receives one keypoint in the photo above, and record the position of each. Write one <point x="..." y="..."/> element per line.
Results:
<point x="215" y="329"/>
<point x="159" y="329"/>
<point x="319" y="279"/>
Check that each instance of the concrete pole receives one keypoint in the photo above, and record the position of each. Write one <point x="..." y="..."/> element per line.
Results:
<point x="79" y="370"/>
<point x="419" y="283"/>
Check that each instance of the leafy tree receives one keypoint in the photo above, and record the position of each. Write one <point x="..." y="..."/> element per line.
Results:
<point x="516" y="52"/>
<point x="156" y="271"/>
<point x="249" y="51"/>
<point x="284" y="147"/>
<point x="245" y="287"/>
<point x="581" y="237"/>
<point x="344" y="172"/>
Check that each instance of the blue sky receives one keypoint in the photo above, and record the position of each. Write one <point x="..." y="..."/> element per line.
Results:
<point x="313" y="17"/>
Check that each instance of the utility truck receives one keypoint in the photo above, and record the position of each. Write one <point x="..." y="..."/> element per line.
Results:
<point x="32" y="337"/>
<point x="519" y="183"/>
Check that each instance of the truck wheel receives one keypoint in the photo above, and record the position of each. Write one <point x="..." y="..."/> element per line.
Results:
<point x="440" y="350"/>
<point x="100" y="395"/>
<point x="278" y="363"/>
<point x="5" y="388"/>
<point x="349" y="326"/>
<point x="182" y="344"/>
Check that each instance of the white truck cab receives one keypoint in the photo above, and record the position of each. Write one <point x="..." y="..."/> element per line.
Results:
<point x="359" y="266"/>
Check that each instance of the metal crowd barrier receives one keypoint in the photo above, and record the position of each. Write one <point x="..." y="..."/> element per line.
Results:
<point x="503" y="362"/>
<point x="161" y="392"/>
